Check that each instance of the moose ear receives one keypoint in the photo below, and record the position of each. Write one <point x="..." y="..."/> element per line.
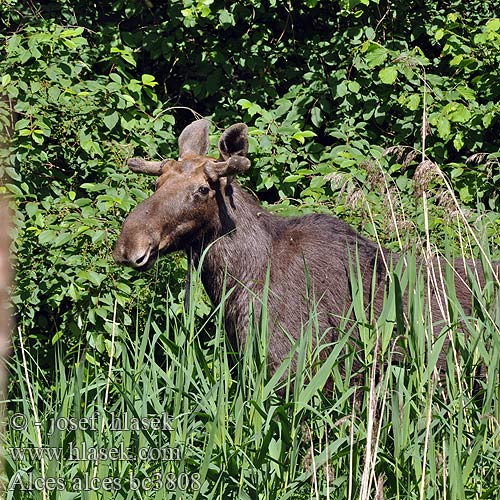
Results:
<point x="234" y="141"/>
<point x="194" y="139"/>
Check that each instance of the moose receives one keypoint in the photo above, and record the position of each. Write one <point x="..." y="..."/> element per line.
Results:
<point x="306" y="261"/>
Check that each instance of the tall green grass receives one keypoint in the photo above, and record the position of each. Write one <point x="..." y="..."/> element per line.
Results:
<point x="405" y="415"/>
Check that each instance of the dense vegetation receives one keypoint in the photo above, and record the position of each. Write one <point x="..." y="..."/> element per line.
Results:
<point x="383" y="113"/>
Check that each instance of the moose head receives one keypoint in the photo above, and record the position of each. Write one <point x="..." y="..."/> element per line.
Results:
<point x="185" y="202"/>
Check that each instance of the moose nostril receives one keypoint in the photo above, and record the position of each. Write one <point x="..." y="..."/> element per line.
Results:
<point x="141" y="260"/>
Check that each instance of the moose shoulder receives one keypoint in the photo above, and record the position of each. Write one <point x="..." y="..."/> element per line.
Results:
<point x="198" y="207"/>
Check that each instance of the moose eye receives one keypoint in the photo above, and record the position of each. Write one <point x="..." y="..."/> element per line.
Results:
<point x="203" y="190"/>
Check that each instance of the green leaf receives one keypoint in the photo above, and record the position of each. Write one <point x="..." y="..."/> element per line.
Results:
<point x="125" y="54"/>
<point x="456" y="112"/>
<point x="23" y="123"/>
<point x="111" y="120"/>
<point x="92" y="277"/>
<point x="388" y="75"/>
<point x="37" y="136"/>
<point x="115" y="77"/>
<point x="91" y="187"/>
<point x="90" y="359"/>
<point x="128" y="98"/>
<point x="413" y="102"/>
<point x="465" y="194"/>
<point x="457" y="60"/>
<point x="370" y="33"/>
<point x="443" y="126"/>
<point x="301" y="136"/>
<point x="376" y="56"/>
<point x="317" y="182"/>
<point x="316" y="117"/>
<point x="12" y="188"/>
<point x="69" y="43"/>
<point x="47" y="236"/>
<point x="458" y="141"/>
<point x="341" y="89"/>
<point x="149" y="80"/>
<point x="354" y="86"/>
<point x="292" y="178"/>
<point x="439" y="34"/>
<point x="54" y="93"/>
<point x="98" y="236"/>
<point x="226" y="18"/>
<point x="61" y="239"/>
<point x="13" y="173"/>
<point x="251" y="107"/>
<point x="466" y="92"/>
<point x="402" y="182"/>
<point x="493" y="25"/>
<point x="71" y="32"/>
<point x="488" y="118"/>
<point x="134" y="86"/>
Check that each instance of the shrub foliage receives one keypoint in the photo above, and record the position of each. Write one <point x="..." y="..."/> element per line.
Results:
<point x="361" y="108"/>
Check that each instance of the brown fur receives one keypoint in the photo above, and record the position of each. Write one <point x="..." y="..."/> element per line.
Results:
<point x="198" y="208"/>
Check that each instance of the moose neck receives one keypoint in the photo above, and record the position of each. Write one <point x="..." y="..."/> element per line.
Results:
<point x="236" y="251"/>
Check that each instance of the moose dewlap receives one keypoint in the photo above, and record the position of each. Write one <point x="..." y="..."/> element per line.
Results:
<point x="199" y="208"/>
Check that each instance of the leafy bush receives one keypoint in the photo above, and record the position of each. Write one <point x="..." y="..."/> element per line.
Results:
<point x="387" y="117"/>
<point x="72" y="132"/>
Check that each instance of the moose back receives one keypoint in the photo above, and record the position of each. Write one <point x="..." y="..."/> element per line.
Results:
<point x="199" y="208"/>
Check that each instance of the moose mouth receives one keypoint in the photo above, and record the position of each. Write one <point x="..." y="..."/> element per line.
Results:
<point x="139" y="261"/>
<point x="142" y="252"/>
<point x="148" y="264"/>
<point x="147" y="260"/>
